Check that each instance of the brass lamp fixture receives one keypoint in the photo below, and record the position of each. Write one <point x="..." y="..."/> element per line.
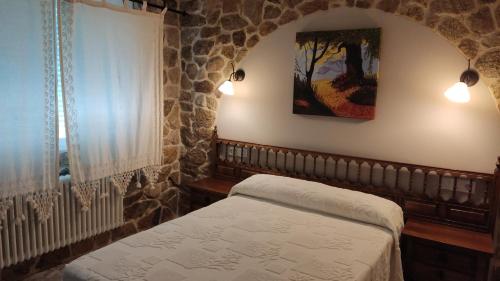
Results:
<point x="227" y="87"/>
<point x="459" y="92"/>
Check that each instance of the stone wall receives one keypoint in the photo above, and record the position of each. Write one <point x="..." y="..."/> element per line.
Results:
<point x="149" y="205"/>
<point x="197" y="57"/>
<point x="222" y="31"/>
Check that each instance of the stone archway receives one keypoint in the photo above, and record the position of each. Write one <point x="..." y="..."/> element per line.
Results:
<point x="219" y="32"/>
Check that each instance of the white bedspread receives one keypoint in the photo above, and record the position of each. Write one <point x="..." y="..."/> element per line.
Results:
<point x="257" y="235"/>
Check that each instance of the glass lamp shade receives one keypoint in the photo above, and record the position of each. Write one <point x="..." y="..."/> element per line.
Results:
<point x="458" y="93"/>
<point x="227" y="88"/>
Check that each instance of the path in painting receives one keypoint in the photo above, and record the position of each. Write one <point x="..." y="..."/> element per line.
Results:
<point x="338" y="101"/>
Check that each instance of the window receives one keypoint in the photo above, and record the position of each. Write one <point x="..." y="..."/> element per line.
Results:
<point x="60" y="109"/>
<point x="116" y="119"/>
<point x="63" y="148"/>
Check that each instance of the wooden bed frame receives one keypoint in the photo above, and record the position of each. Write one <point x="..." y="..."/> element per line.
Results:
<point x="451" y="197"/>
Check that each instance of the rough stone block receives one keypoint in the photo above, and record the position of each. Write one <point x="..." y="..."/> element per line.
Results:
<point x="123" y="231"/>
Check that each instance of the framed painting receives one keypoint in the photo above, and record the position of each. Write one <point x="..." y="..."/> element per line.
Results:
<point x="336" y="73"/>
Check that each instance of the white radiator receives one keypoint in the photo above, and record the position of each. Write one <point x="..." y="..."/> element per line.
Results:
<point x="28" y="238"/>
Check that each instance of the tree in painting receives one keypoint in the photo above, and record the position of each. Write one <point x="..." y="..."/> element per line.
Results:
<point x="336" y="73"/>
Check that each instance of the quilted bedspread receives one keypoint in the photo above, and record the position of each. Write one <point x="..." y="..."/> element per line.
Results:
<point x="293" y="232"/>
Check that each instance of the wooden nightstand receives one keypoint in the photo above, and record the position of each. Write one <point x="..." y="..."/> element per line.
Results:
<point x="444" y="253"/>
<point x="207" y="191"/>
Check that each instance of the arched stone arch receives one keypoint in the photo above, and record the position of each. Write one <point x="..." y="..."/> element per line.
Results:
<point x="219" y="32"/>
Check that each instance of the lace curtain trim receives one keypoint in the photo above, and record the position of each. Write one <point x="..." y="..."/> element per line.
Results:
<point x="51" y="155"/>
<point x="122" y="181"/>
<point x="152" y="173"/>
<point x="29" y="189"/>
<point x="43" y="203"/>
<point x="125" y="8"/>
<point x="66" y="52"/>
<point x="5" y="205"/>
<point x="48" y="178"/>
<point x="113" y="168"/>
<point x="74" y="148"/>
<point x="85" y="192"/>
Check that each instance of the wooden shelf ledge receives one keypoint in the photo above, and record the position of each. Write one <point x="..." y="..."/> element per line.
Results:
<point x="467" y="239"/>
<point x="213" y="185"/>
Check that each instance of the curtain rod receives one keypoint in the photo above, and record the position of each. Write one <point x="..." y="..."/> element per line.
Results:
<point x="183" y="13"/>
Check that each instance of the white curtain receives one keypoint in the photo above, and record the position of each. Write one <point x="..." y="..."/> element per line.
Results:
<point x="112" y="82"/>
<point x="28" y="125"/>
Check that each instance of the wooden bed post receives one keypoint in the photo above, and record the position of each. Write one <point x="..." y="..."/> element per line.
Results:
<point x="477" y="214"/>
<point x="496" y="204"/>
<point x="214" y="153"/>
<point x="497" y="180"/>
<point x="496" y="226"/>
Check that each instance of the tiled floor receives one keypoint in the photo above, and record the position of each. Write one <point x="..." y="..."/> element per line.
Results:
<point x="54" y="274"/>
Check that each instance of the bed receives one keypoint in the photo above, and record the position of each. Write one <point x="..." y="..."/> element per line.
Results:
<point x="269" y="228"/>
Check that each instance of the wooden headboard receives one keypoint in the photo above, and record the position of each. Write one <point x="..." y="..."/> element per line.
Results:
<point x="458" y="198"/>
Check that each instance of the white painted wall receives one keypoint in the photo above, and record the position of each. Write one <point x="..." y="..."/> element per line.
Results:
<point x="414" y="122"/>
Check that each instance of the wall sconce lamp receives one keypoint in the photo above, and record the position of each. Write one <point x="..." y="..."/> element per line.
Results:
<point x="227" y="87"/>
<point x="459" y="92"/>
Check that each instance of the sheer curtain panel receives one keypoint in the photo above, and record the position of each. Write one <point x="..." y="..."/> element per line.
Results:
<point x="112" y="82"/>
<point x="28" y="127"/>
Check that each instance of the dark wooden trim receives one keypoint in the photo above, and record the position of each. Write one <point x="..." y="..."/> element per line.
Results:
<point x="369" y="160"/>
<point x="207" y="191"/>
<point x="474" y="208"/>
<point x="466" y="239"/>
<point x="447" y="252"/>
<point x="213" y="185"/>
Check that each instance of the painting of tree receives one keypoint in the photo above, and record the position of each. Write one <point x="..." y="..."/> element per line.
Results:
<point x="336" y="73"/>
